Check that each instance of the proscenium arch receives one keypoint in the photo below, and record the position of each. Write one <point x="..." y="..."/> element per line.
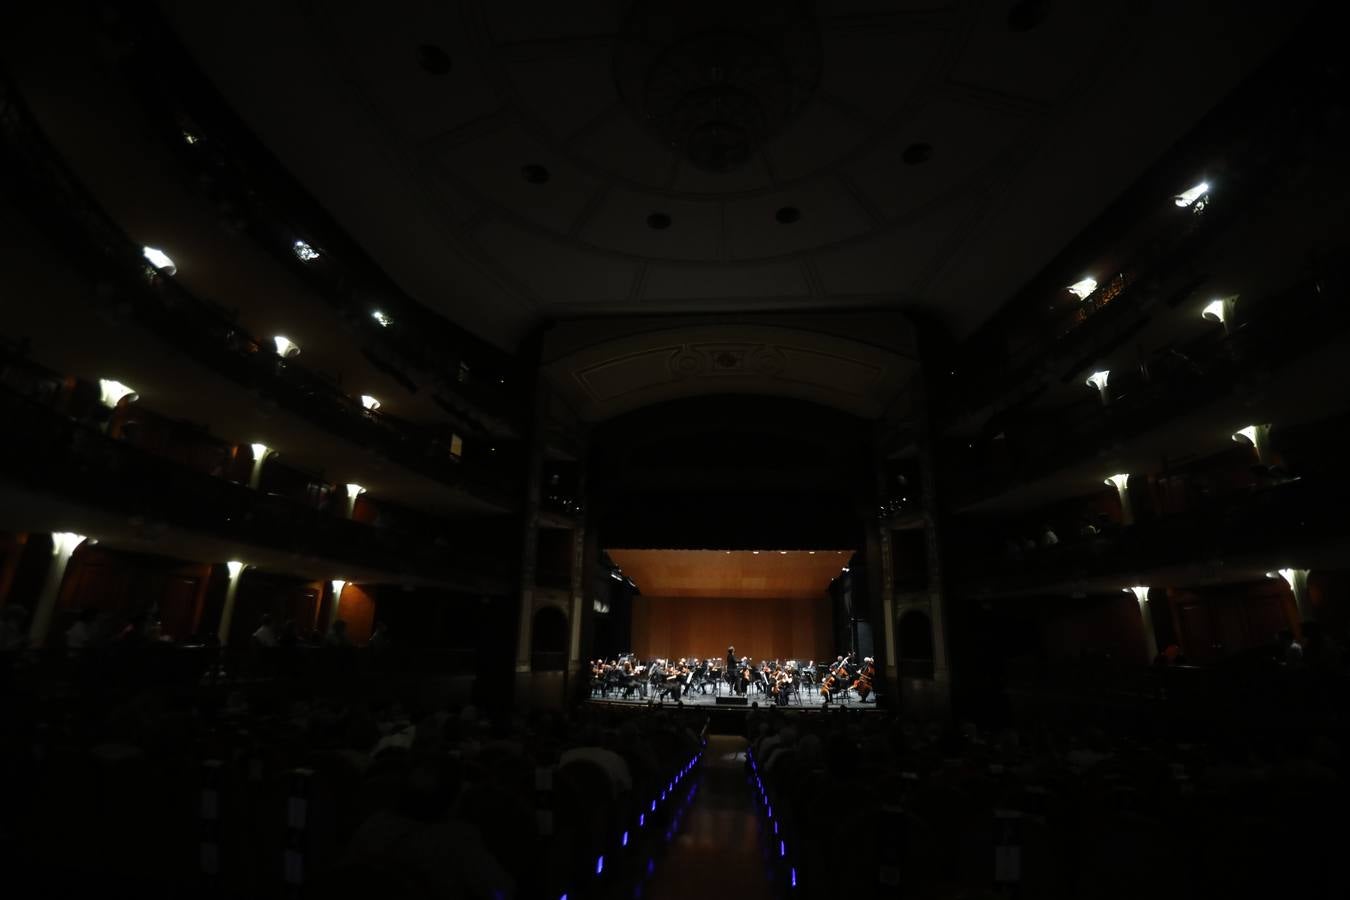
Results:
<point x="854" y="362"/>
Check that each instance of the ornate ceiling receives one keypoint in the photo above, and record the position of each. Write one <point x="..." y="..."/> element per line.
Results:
<point x="510" y="163"/>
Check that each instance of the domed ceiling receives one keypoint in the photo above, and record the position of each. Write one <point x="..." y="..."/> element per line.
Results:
<point x="515" y="161"/>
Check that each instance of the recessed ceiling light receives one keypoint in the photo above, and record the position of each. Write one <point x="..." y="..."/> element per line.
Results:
<point x="917" y="153"/>
<point x="787" y="215"/>
<point x="534" y="173"/>
<point x="658" y="220"/>
<point x="433" y="59"/>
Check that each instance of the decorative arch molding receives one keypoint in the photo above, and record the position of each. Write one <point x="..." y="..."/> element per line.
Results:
<point x="858" y="363"/>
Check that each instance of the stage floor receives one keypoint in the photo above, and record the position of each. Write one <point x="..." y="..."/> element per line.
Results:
<point x="809" y="701"/>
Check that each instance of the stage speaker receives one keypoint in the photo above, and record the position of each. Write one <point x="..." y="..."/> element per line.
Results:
<point x="731" y="701"/>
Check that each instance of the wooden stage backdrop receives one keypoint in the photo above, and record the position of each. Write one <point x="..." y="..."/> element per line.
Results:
<point x="667" y="627"/>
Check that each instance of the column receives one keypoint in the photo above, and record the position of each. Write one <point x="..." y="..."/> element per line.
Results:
<point x="63" y="547"/>
<point x="530" y="531"/>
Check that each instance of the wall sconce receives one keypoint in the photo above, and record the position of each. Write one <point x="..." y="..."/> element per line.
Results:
<point x="1257" y="436"/>
<point x="260" y="454"/>
<point x="383" y="320"/>
<point x="159" y="259"/>
<point x="1121" y="482"/>
<point x="1219" y="310"/>
<point x="1083" y="289"/>
<point x="353" y="491"/>
<point x="370" y="403"/>
<point x="1189" y="196"/>
<point x="1297" y="579"/>
<point x="286" y="348"/>
<point x="1146" y="614"/>
<point x="338" y="585"/>
<point x="111" y="392"/>
<point x="234" y="567"/>
<point x="1098" y="380"/>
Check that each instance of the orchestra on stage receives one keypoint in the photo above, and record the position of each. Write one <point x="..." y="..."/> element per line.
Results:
<point x="780" y="682"/>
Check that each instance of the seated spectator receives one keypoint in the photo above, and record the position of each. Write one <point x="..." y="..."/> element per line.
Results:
<point x="337" y="635"/>
<point x="80" y="635"/>
<point x="265" y="637"/>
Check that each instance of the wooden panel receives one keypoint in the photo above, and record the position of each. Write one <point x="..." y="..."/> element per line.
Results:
<point x="768" y="575"/>
<point x="704" y="626"/>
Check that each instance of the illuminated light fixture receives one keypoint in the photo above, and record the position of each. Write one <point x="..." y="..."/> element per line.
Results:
<point x="1082" y="289"/>
<point x="1255" y="435"/>
<point x="782" y="553"/>
<point x="159" y="259"/>
<point x="304" y="251"/>
<point x="1098" y="380"/>
<point x="111" y="392"/>
<point x="234" y="567"/>
<point x="354" y="490"/>
<point x="383" y="320"/>
<point x="1297" y="579"/>
<point x="810" y="553"/>
<point x="1219" y="310"/>
<point x="1121" y="482"/>
<point x="844" y="569"/>
<point x="1146" y="617"/>
<point x="260" y="450"/>
<point x="1190" y="195"/>
<point x="286" y="347"/>
<point x="369" y="402"/>
<point x="755" y="552"/>
<point x="338" y="585"/>
<point x="1140" y="592"/>
<point x="599" y="865"/>
<point x="65" y="542"/>
<point x="190" y="137"/>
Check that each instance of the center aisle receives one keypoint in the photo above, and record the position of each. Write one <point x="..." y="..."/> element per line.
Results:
<point x="717" y="852"/>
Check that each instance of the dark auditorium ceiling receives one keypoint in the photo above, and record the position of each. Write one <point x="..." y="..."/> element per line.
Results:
<point x="517" y="161"/>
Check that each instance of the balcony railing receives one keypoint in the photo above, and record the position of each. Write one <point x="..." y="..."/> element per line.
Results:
<point x="52" y="453"/>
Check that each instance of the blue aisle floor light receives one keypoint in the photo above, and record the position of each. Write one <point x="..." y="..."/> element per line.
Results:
<point x="642" y="819"/>
<point x="599" y="865"/>
<point x="782" y="848"/>
<point x="794" y="877"/>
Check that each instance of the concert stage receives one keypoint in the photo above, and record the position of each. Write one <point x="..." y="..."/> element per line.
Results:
<point x="810" y="701"/>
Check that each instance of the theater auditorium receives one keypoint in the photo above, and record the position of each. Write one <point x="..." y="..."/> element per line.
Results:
<point x="520" y="450"/>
